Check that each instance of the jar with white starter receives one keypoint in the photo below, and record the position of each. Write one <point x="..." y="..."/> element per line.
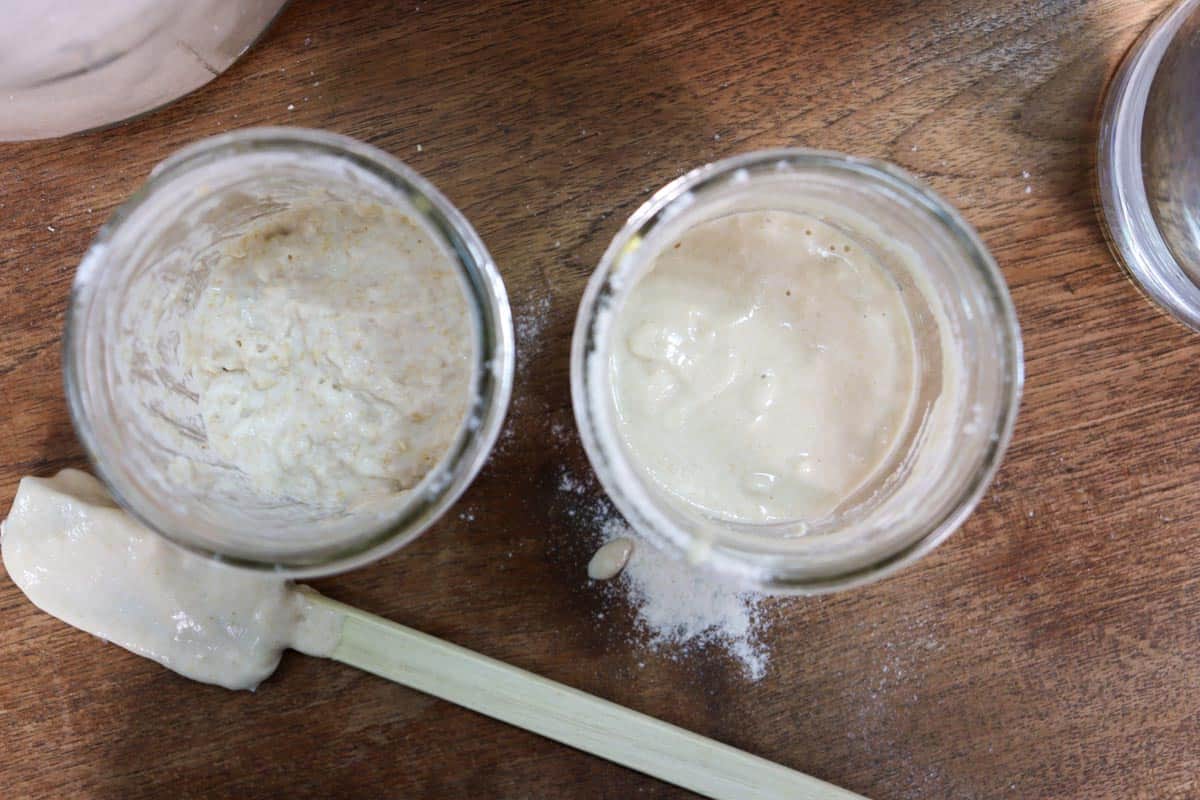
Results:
<point x="797" y="369"/>
<point x="288" y="351"/>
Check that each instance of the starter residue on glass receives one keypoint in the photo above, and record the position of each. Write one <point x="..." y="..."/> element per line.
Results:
<point x="763" y="368"/>
<point x="77" y="556"/>
<point x="331" y="350"/>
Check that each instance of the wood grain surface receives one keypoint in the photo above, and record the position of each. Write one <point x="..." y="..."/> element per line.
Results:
<point x="1051" y="649"/>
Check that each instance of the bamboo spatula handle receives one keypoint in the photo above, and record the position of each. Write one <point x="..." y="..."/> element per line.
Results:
<point x="566" y="715"/>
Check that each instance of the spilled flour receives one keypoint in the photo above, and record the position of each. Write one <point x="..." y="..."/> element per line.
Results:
<point x="681" y="607"/>
<point x="679" y="610"/>
<point x="529" y="324"/>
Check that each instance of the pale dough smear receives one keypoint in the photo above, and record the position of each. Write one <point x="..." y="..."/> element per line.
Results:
<point x="79" y="557"/>
<point x="332" y="350"/>
<point x="763" y="368"/>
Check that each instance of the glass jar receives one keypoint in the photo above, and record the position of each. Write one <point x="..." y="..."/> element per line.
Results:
<point x="72" y="65"/>
<point x="1148" y="162"/>
<point x="129" y="394"/>
<point x="968" y="374"/>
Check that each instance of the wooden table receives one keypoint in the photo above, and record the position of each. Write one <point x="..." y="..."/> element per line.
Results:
<point x="1051" y="649"/>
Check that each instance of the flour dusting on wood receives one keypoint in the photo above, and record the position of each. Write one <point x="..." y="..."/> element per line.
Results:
<point x="679" y="610"/>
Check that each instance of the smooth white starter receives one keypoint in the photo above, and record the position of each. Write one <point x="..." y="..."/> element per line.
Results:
<point x="331" y="351"/>
<point x="79" y="557"/>
<point x="763" y="368"/>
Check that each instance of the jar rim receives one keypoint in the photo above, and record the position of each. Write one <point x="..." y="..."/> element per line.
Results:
<point x="484" y="289"/>
<point x="1122" y="202"/>
<point x="615" y="469"/>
